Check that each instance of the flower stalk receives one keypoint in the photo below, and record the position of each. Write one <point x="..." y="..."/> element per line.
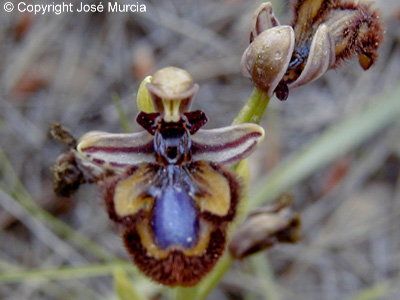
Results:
<point x="254" y="108"/>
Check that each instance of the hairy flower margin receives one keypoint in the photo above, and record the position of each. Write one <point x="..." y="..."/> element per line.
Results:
<point x="322" y="34"/>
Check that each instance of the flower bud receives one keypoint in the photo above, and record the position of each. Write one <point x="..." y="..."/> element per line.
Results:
<point x="354" y="26"/>
<point x="338" y="30"/>
<point x="266" y="226"/>
<point x="321" y="57"/>
<point x="267" y="58"/>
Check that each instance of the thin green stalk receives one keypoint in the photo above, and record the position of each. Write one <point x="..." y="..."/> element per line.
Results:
<point x="208" y="284"/>
<point x="264" y="273"/>
<point x="184" y="293"/>
<point x="64" y="273"/>
<point x="254" y="109"/>
<point x="124" y="287"/>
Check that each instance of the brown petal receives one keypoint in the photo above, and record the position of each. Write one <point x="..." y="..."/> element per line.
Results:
<point x="355" y="27"/>
<point x="320" y="59"/>
<point x="266" y="59"/>
<point x="262" y="20"/>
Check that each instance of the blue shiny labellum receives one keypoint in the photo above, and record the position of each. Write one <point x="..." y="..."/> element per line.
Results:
<point x="175" y="221"/>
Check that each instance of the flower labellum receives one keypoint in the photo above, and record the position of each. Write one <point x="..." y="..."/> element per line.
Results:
<point x="170" y="191"/>
<point x="326" y="32"/>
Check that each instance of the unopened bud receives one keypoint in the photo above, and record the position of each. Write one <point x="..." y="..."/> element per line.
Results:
<point x="267" y="58"/>
<point x="328" y="32"/>
<point x="268" y="225"/>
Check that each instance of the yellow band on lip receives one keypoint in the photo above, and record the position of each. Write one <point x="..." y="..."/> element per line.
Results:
<point x="148" y="241"/>
<point x="127" y="197"/>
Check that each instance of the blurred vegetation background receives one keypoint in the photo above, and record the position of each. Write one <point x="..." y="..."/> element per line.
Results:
<point x="81" y="69"/>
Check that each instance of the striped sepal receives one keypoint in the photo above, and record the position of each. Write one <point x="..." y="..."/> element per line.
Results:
<point x="117" y="150"/>
<point x="226" y="145"/>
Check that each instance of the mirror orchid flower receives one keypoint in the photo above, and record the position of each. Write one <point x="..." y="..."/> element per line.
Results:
<point x="168" y="187"/>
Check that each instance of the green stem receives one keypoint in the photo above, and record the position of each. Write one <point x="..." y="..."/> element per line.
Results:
<point x="254" y="109"/>
<point x="64" y="272"/>
<point x="124" y="287"/>
<point x="264" y="273"/>
<point x="208" y="284"/>
<point x="184" y="293"/>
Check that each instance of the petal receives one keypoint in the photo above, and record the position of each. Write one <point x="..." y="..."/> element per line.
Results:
<point x="172" y="83"/>
<point x="355" y="27"/>
<point x="226" y="145"/>
<point x="143" y="98"/>
<point x="306" y="13"/>
<point x="116" y="150"/>
<point x="267" y="58"/>
<point x="320" y="59"/>
<point x="263" y="19"/>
